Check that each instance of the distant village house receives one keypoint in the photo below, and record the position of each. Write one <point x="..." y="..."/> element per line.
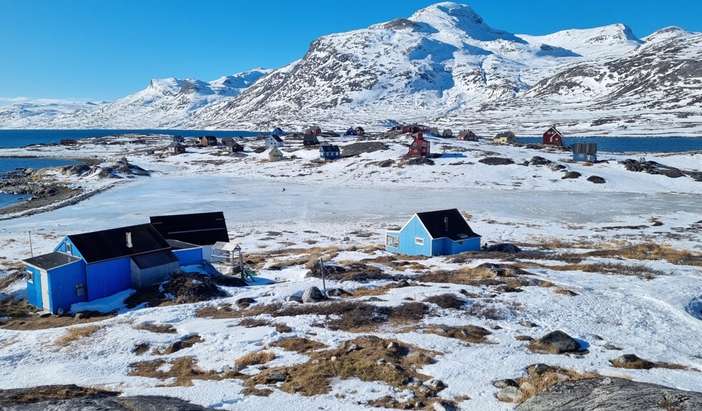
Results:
<point x="506" y="137"/>
<point x="329" y="152"/>
<point x="420" y="147"/>
<point x="467" y="135"/>
<point x="553" y="137"/>
<point x="206" y="141"/>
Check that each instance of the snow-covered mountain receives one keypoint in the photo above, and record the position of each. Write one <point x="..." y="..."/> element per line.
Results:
<point x="167" y="102"/>
<point x="443" y="65"/>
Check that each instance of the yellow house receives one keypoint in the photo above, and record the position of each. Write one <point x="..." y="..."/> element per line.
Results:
<point x="506" y="137"/>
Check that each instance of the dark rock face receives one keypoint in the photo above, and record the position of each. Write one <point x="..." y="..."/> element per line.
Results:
<point x="73" y="397"/>
<point x="556" y="342"/>
<point x="612" y="394"/>
<point x="653" y="167"/>
<point x="596" y="180"/>
<point x="496" y="161"/>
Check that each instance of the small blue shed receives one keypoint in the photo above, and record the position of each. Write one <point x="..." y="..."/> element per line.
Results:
<point x="585" y="152"/>
<point x="433" y="233"/>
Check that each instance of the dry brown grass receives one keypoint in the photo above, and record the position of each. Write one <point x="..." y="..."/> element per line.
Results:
<point x="651" y="251"/>
<point x="183" y="370"/>
<point x="511" y="276"/>
<point x="351" y="316"/>
<point x="466" y="333"/>
<point x="19" y="315"/>
<point x="298" y="344"/>
<point x="156" y="328"/>
<point x="74" y="334"/>
<point x="254" y="358"/>
<point x="613" y="269"/>
<point x="367" y="358"/>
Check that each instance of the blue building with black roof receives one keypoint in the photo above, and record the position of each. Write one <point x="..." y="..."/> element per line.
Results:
<point x="89" y="266"/>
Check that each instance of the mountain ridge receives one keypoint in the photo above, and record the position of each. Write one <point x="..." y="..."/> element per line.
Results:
<point x="443" y="64"/>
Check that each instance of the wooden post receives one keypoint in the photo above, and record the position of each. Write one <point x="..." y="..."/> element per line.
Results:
<point x="241" y="265"/>
<point x="31" y="248"/>
<point x="324" y="281"/>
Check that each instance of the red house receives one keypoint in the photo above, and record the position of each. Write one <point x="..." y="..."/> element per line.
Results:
<point x="553" y="137"/>
<point x="419" y="147"/>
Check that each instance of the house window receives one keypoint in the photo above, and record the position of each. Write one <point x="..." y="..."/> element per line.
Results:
<point x="419" y="240"/>
<point x="392" y="241"/>
<point x="69" y="248"/>
<point x="80" y="290"/>
<point x="30" y="277"/>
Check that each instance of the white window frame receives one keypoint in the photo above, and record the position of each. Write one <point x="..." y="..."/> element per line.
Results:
<point x="419" y="240"/>
<point x="31" y="276"/>
<point x="69" y="248"/>
<point x="392" y="240"/>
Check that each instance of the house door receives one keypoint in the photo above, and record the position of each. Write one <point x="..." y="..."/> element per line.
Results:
<point x="45" y="290"/>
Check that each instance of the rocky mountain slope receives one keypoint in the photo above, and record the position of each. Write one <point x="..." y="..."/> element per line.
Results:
<point x="444" y="65"/>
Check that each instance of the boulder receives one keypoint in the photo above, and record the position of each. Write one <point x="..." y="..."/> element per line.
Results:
<point x="418" y="161"/>
<point x="496" y="161"/>
<point x="632" y="361"/>
<point x="557" y="167"/>
<point x="556" y="342"/>
<point x="503" y="248"/>
<point x="571" y="174"/>
<point x="539" y="161"/>
<point x="313" y="295"/>
<point x="612" y="394"/>
<point x="596" y="180"/>
<point x="245" y="302"/>
<point x="386" y="163"/>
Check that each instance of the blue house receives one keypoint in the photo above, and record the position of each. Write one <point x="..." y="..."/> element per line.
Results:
<point x="89" y="266"/>
<point x="329" y="152"/>
<point x="432" y="233"/>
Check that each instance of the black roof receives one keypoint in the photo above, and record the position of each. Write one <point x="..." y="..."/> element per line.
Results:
<point x="329" y="148"/>
<point x="446" y="223"/>
<point x="51" y="260"/>
<point x="155" y="259"/>
<point x="198" y="229"/>
<point x="180" y="245"/>
<point x="112" y="243"/>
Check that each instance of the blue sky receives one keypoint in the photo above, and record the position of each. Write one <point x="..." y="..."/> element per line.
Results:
<point x="90" y="49"/>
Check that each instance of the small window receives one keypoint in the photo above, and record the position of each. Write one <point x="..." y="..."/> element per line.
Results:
<point x="419" y="240"/>
<point x="392" y="241"/>
<point x="80" y="290"/>
<point x="69" y="248"/>
<point x="30" y="277"/>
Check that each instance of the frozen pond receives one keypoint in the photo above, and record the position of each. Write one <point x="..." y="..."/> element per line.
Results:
<point x="245" y="200"/>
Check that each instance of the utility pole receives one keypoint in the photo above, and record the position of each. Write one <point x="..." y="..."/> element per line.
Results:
<point x="324" y="281"/>
<point x="31" y="248"/>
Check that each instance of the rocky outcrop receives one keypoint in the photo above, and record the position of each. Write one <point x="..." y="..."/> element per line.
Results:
<point x="73" y="397"/>
<point x="612" y="394"/>
<point x="653" y="167"/>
